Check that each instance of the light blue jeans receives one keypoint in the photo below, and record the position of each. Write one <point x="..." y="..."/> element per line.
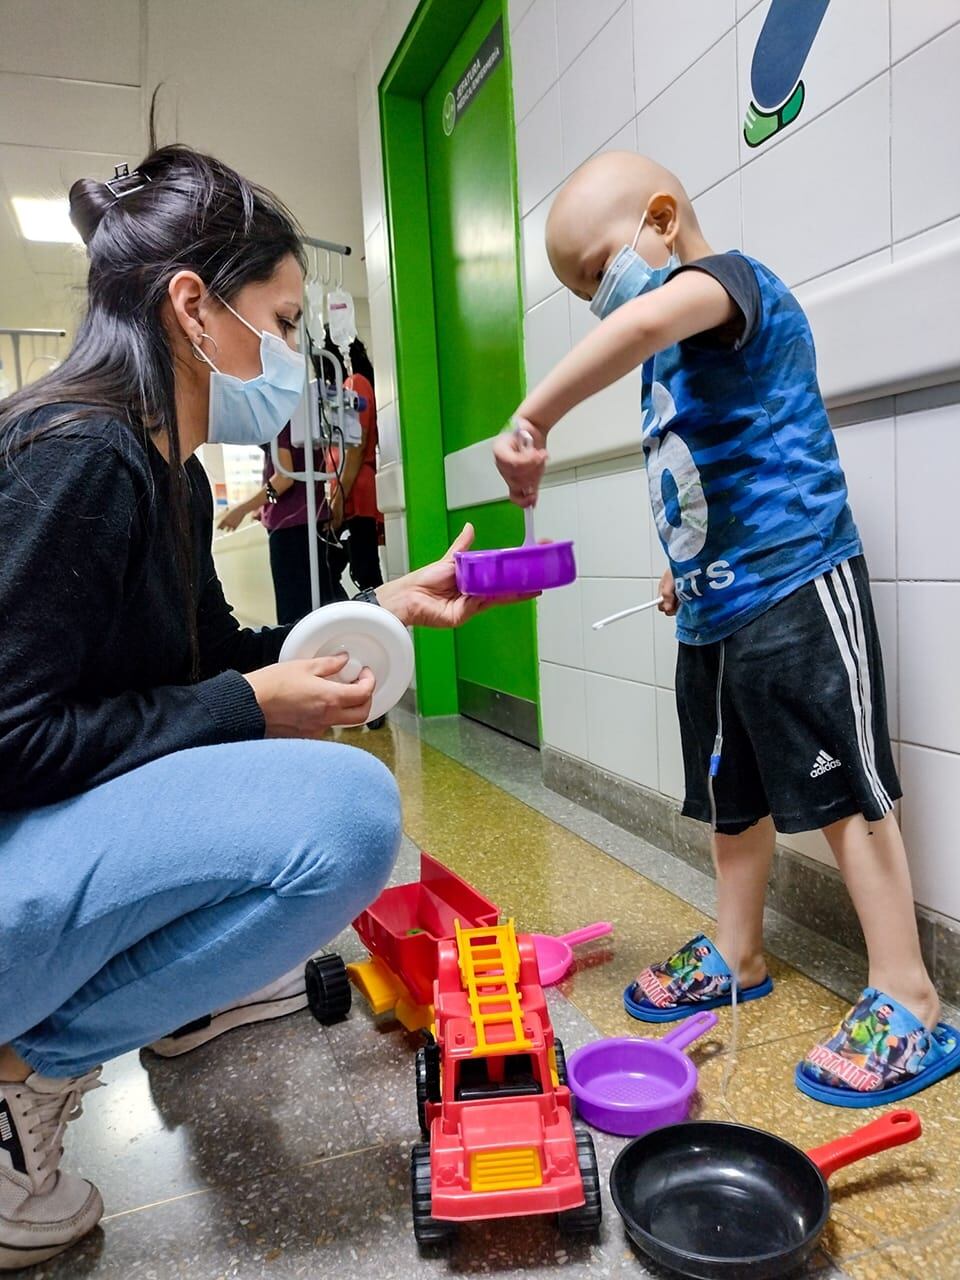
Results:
<point x="181" y="887"/>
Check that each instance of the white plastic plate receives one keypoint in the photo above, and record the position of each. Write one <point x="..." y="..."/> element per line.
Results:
<point x="371" y="636"/>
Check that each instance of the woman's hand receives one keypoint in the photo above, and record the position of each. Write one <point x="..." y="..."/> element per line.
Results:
<point x="669" y="603"/>
<point x="429" y="597"/>
<point x="299" y="700"/>
<point x="520" y="463"/>
<point x="232" y="519"/>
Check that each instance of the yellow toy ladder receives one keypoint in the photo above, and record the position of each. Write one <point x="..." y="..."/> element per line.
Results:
<point x="489" y="969"/>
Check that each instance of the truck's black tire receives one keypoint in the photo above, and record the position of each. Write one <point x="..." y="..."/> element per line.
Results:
<point x="428" y="1082"/>
<point x="585" y="1219"/>
<point x="328" y="989"/>
<point x="426" y="1229"/>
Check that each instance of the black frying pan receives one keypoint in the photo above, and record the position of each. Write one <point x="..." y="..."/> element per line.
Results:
<point x="721" y="1201"/>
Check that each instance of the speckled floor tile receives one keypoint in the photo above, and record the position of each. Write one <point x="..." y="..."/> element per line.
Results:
<point x="376" y="1060"/>
<point x="930" y="1255"/>
<point x="517" y="770"/>
<point x="260" y="1099"/>
<point x="257" y="1100"/>
<point x="879" y="1205"/>
<point x="348" y="1217"/>
<point x="282" y="1150"/>
<point x="552" y="880"/>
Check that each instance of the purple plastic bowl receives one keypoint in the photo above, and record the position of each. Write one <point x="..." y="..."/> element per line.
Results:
<point x="516" y="570"/>
<point x="629" y="1086"/>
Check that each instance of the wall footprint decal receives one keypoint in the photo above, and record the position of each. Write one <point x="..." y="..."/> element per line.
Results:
<point x="778" y="93"/>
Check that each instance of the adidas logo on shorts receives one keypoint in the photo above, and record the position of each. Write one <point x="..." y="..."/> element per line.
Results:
<point x="823" y="764"/>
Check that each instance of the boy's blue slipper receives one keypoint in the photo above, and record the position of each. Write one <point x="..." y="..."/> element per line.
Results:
<point x="879" y="1053"/>
<point x="695" y="978"/>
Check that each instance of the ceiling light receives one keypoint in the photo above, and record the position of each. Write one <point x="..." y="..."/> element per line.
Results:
<point x="47" y="220"/>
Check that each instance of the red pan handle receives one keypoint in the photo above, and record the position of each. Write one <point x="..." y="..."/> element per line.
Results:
<point x="891" y="1130"/>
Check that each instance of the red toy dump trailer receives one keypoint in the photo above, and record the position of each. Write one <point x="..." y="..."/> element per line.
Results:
<point x="401" y="930"/>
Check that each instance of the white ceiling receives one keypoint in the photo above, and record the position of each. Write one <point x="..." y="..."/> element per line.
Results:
<point x="266" y="85"/>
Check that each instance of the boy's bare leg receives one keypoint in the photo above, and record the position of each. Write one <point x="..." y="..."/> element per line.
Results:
<point x="743" y="869"/>
<point x="13" y="1069"/>
<point x="873" y="863"/>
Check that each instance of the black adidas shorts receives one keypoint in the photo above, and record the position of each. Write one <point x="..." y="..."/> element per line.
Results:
<point x="805" y="734"/>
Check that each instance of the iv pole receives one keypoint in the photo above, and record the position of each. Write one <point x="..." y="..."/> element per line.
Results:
<point x="309" y="475"/>
<point x="344" y="250"/>
<point x="16" y="334"/>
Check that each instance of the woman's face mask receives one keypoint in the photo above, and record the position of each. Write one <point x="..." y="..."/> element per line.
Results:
<point x="627" y="276"/>
<point x="254" y="411"/>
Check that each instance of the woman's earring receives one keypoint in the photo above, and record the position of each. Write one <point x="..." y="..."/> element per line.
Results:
<point x="195" y="347"/>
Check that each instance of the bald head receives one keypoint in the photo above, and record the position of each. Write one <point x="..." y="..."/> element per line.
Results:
<point x="599" y="208"/>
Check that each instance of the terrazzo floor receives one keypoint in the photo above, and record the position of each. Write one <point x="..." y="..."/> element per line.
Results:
<point x="282" y="1150"/>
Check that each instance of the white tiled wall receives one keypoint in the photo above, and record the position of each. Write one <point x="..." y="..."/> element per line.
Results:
<point x="925" y="88"/>
<point x="864" y="167"/>
<point x="863" y="176"/>
<point x="615" y="685"/>
<point x="810" y="205"/>
<point x="389" y="31"/>
<point x="702" y="146"/>
<point x="659" y="57"/>
<point x="869" y="173"/>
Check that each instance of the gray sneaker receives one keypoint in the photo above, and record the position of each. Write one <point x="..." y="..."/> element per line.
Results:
<point x="287" y="994"/>
<point x="42" y="1211"/>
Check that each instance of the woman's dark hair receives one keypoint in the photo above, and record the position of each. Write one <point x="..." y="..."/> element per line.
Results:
<point x="180" y="210"/>
<point x="359" y="360"/>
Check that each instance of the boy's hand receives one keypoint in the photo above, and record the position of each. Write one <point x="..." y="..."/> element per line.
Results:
<point x="669" y="603"/>
<point x="521" y="464"/>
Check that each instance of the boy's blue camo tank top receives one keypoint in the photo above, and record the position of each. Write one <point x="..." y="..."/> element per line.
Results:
<point x="748" y="495"/>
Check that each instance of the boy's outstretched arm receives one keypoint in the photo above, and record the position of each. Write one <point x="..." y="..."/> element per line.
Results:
<point x="690" y="303"/>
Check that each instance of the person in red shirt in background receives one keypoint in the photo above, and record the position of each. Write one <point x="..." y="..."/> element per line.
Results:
<point x="353" y="499"/>
<point x="280" y="504"/>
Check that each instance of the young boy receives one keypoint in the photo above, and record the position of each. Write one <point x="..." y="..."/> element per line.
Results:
<point x="779" y="676"/>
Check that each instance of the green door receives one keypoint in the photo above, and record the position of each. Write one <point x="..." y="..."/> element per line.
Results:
<point x="471" y="201"/>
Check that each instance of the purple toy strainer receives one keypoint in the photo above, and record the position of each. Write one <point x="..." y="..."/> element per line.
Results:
<point x="515" y="570"/>
<point x="522" y="570"/>
<point x="631" y="1086"/>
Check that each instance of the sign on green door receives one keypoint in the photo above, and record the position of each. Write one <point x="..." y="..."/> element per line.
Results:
<point x="487" y="58"/>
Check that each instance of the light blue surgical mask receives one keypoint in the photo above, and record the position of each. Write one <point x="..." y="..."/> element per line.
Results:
<point x="627" y="276"/>
<point x="254" y="411"/>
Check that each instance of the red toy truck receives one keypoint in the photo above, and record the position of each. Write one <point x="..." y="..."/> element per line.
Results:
<point x="401" y="930"/>
<point x="492" y="1097"/>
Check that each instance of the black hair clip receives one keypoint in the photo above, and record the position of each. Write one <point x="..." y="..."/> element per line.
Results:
<point x="124" y="183"/>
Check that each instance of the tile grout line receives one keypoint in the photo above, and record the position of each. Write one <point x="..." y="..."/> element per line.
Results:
<point x="898" y="62"/>
<point x="685" y="868"/>
<point x="825" y="276"/>
<point x="205" y="1191"/>
<point x="555" y="84"/>
<point x="794" y="954"/>
<point x="677" y="78"/>
<point x="890" y="120"/>
<point x="934" y="226"/>
<point x="821" y="115"/>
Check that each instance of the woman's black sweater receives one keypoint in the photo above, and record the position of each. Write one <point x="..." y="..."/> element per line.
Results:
<point x="96" y="673"/>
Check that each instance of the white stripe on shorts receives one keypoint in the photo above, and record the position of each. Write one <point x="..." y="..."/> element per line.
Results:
<point x="853" y="664"/>
<point x="866" y="688"/>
